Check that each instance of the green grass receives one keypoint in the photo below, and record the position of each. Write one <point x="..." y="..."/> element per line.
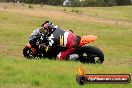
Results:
<point x="113" y="38"/>
<point x="50" y="74"/>
<point x="115" y="13"/>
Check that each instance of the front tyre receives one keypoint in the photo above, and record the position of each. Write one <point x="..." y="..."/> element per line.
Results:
<point x="27" y="52"/>
<point x="91" y="54"/>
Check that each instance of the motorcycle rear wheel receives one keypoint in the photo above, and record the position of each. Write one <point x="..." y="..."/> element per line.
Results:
<point x="91" y="54"/>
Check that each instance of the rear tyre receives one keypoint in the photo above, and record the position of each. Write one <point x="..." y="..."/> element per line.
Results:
<point x="91" y="54"/>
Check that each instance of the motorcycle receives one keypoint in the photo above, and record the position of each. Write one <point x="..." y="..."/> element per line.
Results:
<point x="84" y="53"/>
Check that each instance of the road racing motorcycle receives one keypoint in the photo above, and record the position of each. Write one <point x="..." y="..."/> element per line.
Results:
<point x="84" y="53"/>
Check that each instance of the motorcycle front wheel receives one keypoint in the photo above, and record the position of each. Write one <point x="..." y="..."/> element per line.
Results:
<point x="27" y="52"/>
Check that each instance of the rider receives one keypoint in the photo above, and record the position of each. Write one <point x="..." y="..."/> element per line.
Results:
<point x="37" y="33"/>
<point x="59" y="37"/>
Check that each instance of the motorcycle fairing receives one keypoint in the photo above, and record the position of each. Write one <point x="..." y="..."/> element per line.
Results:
<point x="87" y="39"/>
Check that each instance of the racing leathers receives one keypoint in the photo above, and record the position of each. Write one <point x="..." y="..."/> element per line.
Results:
<point x="66" y="39"/>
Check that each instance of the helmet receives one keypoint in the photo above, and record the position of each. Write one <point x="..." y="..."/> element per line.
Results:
<point x="48" y="26"/>
<point x="41" y="29"/>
